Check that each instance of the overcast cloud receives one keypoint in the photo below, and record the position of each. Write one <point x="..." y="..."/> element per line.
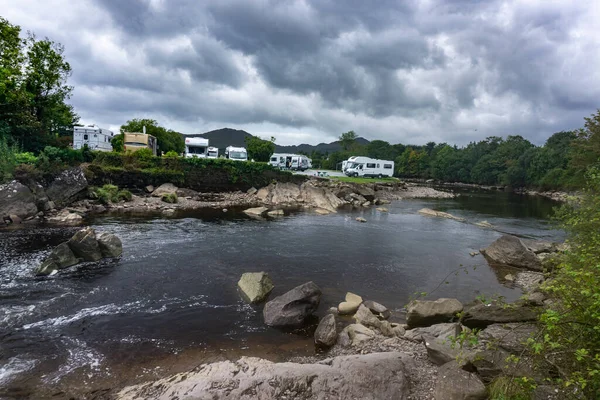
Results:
<point x="305" y="71"/>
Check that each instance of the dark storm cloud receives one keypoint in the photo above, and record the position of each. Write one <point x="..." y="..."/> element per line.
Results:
<point x="403" y="71"/>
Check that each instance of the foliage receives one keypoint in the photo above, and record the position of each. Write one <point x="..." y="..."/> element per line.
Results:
<point x="111" y="194"/>
<point x="511" y="388"/>
<point x="168" y="140"/>
<point x="33" y="90"/>
<point x="348" y="140"/>
<point x="259" y="149"/>
<point x="117" y="143"/>
<point x="7" y="160"/>
<point x="25" y="158"/>
<point x="571" y="324"/>
<point x="171" y="154"/>
<point x="169" y="198"/>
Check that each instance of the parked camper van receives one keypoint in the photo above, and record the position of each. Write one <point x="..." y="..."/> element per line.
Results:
<point x="369" y="167"/>
<point x="196" y="147"/>
<point x="278" y="160"/>
<point x="133" y="141"/>
<point x="96" y="138"/>
<point x="236" y="153"/>
<point x="299" y="163"/>
<point x="213" y="152"/>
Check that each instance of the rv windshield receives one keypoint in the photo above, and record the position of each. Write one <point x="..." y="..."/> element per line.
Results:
<point x="196" y="150"/>
<point x="237" y="155"/>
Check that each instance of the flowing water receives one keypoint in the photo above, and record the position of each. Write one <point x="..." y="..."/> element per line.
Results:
<point x="170" y="303"/>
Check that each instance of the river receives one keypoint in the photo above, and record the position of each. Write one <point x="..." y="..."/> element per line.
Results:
<point x="170" y="303"/>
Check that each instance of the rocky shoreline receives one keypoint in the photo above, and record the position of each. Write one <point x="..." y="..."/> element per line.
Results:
<point x="444" y="351"/>
<point x="68" y="198"/>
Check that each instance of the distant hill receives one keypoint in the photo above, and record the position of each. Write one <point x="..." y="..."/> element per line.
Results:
<point x="224" y="137"/>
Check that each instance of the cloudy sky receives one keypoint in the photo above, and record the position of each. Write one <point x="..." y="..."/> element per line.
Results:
<point x="304" y="71"/>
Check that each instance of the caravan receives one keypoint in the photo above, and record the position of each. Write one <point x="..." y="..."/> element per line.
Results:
<point x="213" y="152"/>
<point x="94" y="137"/>
<point x="369" y="167"/>
<point x="196" y="147"/>
<point x="295" y="162"/>
<point x="299" y="163"/>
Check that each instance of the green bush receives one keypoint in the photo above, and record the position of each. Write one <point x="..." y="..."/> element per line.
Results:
<point x="169" y="198"/>
<point x="171" y="154"/>
<point x="7" y="161"/>
<point x="570" y="340"/>
<point x="26" y="158"/>
<point x="144" y="154"/>
<point x="111" y="194"/>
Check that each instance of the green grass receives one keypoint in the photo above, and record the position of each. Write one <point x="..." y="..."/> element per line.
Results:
<point x="352" y="179"/>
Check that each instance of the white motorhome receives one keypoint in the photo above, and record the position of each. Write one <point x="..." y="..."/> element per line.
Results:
<point x="213" y="152"/>
<point x="369" y="167"/>
<point x="196" y="147"/>
<point x="299" y="163"/>
<point x="236" y="153"/>
<point x="96" y="138"/>
<point x="278" y="160"/>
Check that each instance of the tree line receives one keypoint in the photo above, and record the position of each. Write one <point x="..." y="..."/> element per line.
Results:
<point x="560" y="163"/>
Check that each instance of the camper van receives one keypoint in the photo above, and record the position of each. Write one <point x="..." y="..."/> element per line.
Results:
<point x="96" y="138"/>
<point x="299" y="163"/>
<point x="133" y="141"/>
<point x="236" y="153"/>
<point x="369" y="167"/>
<point x="213" y="152"/>
<point x="278" y="160"/>
<point x="196" y="147"/>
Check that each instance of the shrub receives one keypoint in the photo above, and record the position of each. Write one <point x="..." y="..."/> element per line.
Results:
<point x="111" y="194"/>
<point x="169" y="198"/>
<point x="26" y="173"/>
<point x="144" y="154"/>
<point x="7" y="161"/>
<point x="26" y="158"/>
<point x="171" y="154"/>
<point x="570" y="339"/>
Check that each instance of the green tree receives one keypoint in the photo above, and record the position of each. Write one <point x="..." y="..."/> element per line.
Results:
<point x="348" y="140"/>
<point x="168" y="140"/>
<point x="260" y="149"/>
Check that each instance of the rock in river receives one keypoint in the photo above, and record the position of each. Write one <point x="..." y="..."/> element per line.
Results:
<point x="510" y="250"/>
<point x="293" y="307"/>
<point x="454" y="383"/>
<point x="255" y="286"/>
<point x="425" y="312"/>
<point x="110" y="245"/>
<point x="60" y="257"/>
<point x="369" y="377"/>
<point x="326" y="333"/>
<point x="17" y="199"/>
<point x="350" y="305"/>
<point x="85" y="245"/>
<point x="165" y="188"/>
<point x="65" y="217"/>
<point x="256" y="212"/>
<point x="432" y="213"/>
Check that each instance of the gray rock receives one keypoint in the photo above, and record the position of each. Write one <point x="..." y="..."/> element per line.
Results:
<point x="539" y="246"/>
<point x="256" y="211"/>
<point x="326" y="333"/>
<point x="165" y="188"/>
<point x="350" y="305"/>
<point x="17" y="199"/>
<point x="65" y="217"/>
<point x="60" y="257"/>
<point x="276" y="213"/>
<point x="252" y="191"/>
<point x="361" y="219"/>
<point x="85" y="246"/>
<point x="484" y="224"/>
<point x="426" y="312"/>
<point x="441" y="331"/>
<point x="343" y="377"/>
<point x="15" y="219"/>
<point x="318" y="197"/>
<point x="535" y="298"/>
<point x="255" y="286"/>
<point x="454" y="383"/>
<point x="397" y="329"/>
<point x="510" y="250"/>
<point x="67" y="186"/>
<point x="110" y="244"/>
<point x="511" y="337"/>
<point x="440" y="214"/>
<point x="490" y="364"/>
<point x="366" y="192"/>
<point x="379" y="310"/>
<point x="357" y="334"/>
<point x="293" y="307"/>
<point x="482" y="315"/>
<point x="382" y="209"/>
<point x="441" y="351"/>
<point x="365" y="317"/>
<point x="149" y="189"/>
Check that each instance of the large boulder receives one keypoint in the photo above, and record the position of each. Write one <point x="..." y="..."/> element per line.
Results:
<point x="441" y="351"/>
<point x="319" y="197"/>
<point x="67" y="186"/>
<point x="85" y="245"/>
<point x="65" y="217"/>
<point x="165" y="188"/>
<point x="326" y="333"/>
<point x="454" y="383"/>
<point x="110" y="244"/>
<point x="510" y="250"/>
<point x="255" y="286"/>
<point x="540" y="246"/>
<point x="439" y="331"/>
<point x="60" y="257"/>
<point x="365" y="191"/>
<point x="370" y="377"/>
<point x="17" y="199"/>
<point x="511" y="337"/>
<point x="285" y="194"/>
<point x="293" y="307"/>
<point x="427" y="312"/>
<point x="482" y="315"/>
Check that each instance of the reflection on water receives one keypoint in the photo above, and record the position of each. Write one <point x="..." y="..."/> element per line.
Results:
<point x="171" y="300"/>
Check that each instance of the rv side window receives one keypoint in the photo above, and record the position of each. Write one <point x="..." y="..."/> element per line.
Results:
<point x="85" y="137"/>
<point x="273" y="158"/>
<point x="370" y="165"/>
<point x="378" y="166"/>
<point x="387" y="166"/>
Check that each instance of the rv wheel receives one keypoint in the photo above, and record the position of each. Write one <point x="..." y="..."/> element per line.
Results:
<point x="380" y="176"/>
